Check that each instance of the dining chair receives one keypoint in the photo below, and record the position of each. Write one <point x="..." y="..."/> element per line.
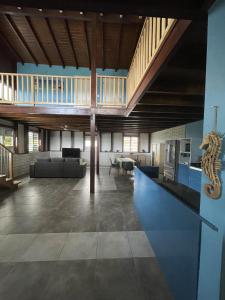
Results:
<point x="113" y="165"/>
<point x="127" y="166"/>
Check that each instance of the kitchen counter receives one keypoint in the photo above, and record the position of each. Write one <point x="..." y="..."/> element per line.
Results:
<point x="185" y="194"/>
<point x="190" y="176"/>
<point x="195" y="168"/>
<point x="173" y="229"/>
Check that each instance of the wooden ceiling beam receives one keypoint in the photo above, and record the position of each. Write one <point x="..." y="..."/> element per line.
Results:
<point x="12" y="25"/>
<point x="33" y="30"/>
<point x="71" y="43"/>
<point x="55" y="41"/>
<point x="87" y="43"/>
<point x="165" y="115"/>
<point x="171" y="87"/>
<point x="11" y="48"/>
<point x="69" y="15"/>
<point x="168" y="110"/>
<point x="102" y="38"/>
<point x="172" y="100"/>
<point x="120" y="38"/>
<point x="174" y="9"/>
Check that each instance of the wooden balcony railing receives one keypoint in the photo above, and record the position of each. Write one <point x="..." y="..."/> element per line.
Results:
<point x="111" y="91"/>
<point x="6" y="162"/>
<point x="29" y="89"/>
<point x="152" y="36"/>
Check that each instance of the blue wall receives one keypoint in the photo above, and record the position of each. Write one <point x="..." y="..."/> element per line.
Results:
<point x="212" y="243"/>
<point x="174" y="232"/>
<point x="67" y="71"/>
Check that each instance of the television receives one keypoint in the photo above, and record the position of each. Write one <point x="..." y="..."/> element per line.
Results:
<point x="71" y="152"/>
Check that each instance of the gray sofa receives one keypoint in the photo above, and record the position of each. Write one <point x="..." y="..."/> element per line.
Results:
<point x="58" y="168"/>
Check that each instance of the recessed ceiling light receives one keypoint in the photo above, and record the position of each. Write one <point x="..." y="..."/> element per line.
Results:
<point x="19" y="7"/>
<point x="60" y="11"/>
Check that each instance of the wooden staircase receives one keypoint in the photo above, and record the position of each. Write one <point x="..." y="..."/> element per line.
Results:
<point x="6" y="169"/>
<point x="8" y="182"/>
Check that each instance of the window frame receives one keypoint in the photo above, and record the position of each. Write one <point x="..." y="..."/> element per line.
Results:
<point x="130" y="144"/>
<point x="35" y="142"/>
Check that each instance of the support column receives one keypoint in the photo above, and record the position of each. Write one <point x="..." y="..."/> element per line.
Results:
<point x="26" y="142"/>
<point x="212" y="254"/>
<point x="93" y="102"/>
<point x="92" y="155"/>
<point x="98" y="153"/>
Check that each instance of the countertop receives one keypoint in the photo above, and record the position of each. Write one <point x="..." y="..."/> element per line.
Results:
<point x="185" y="194"/>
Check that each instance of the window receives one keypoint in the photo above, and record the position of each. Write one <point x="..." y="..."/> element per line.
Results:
<point x="130" y="144"/>
<point x="6" y="137"/>
<point x="33" y="143"/>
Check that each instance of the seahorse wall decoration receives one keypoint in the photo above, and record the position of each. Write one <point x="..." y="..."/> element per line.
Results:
<point x="211" y="164"/>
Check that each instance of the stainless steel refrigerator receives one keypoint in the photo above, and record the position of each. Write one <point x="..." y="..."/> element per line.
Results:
<point x="171" y="159"/>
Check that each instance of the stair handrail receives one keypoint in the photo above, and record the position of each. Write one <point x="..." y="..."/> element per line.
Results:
<point x="9" y="174"/>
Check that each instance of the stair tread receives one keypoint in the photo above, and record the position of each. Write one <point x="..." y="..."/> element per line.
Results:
<point x="2" y="176"/>
<point x="16" y="181"/>
<point x="8" y="179"/>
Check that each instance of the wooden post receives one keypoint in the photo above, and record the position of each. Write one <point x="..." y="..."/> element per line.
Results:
<point x="98" y="153"/>
<point x="92" y="155"/>
<point x="26" y="141"/>
<point x="93" y="102"/>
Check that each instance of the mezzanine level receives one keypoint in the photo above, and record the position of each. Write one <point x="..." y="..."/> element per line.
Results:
<point x="75" y="91"/>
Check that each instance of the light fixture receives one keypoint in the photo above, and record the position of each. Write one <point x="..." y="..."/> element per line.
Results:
<point x="60" y="11"/>
<point x="140" y="17"/>
<point x="121" y="16"/>
<point x="19" y="7"/>
<point x="81" y="13"/>
<point x="101" y="14"/>
<point x="40" y="9"/>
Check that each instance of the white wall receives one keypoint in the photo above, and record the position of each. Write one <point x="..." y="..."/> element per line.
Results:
<point x="22" y="162"/>
<point x="192" y="130"/>
<point x="66" y="139"/>
<point x="79" y="140"/>
<point x="106" y="142"/>
<point x="168" y="134"/>
<point x="144" y="142"/>
<point x="117" y="142"/>
<point x="55" y="141"/>
<point x="106" y="153"/>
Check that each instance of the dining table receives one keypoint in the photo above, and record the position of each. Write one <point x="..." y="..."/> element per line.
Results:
<point x="121" y="160"/>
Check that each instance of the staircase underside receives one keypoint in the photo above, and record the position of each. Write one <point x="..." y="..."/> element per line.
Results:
<point x="8" y="182"/>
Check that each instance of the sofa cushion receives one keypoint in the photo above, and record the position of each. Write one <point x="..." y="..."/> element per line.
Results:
<point x="57" y="159"/>
<point x="43" y="160"/>
<point x="73" y="160"/>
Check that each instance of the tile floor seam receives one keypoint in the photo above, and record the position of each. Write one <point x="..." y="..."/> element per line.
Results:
<point x="132" y="254"/>
<point x="63" y="246"/>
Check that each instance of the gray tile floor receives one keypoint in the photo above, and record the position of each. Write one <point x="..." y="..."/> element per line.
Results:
<point x="59" y="242"/>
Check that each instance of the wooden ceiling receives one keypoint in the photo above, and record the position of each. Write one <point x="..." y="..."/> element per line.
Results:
<point x="176" y="97"/>
<point x="56" y="37"/>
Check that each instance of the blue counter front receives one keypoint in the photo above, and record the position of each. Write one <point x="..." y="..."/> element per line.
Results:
<point x="189" y="177"/>
<point x="173" y="230"/>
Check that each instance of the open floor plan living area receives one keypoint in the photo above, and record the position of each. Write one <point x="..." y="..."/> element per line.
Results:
<point x="112" y="150"/>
